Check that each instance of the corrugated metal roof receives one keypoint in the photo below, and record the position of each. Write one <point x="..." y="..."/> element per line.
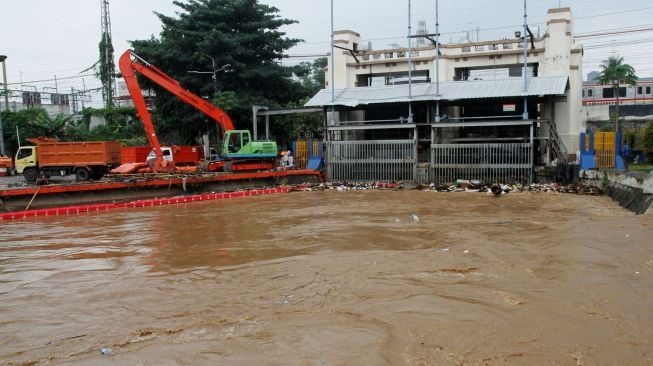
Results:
<point x="450" y="90"/>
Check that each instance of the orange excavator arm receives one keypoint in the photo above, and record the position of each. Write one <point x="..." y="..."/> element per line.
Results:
<point x="130" y="63"/>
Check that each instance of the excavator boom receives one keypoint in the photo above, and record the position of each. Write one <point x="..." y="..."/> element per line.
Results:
<point x="238" y="146"/>
<point x="129" y="64"/>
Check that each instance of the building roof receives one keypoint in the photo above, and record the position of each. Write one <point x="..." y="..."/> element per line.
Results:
<point x="449" y="90"/>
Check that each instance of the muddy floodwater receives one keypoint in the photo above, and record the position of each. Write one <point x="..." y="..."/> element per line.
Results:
<point x="333" y="278"/>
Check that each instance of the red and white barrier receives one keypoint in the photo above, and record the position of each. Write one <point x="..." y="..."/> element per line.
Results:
<point x="72" y="210"/>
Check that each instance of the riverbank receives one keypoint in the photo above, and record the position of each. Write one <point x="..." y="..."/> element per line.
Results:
<point x="633" y="190"/>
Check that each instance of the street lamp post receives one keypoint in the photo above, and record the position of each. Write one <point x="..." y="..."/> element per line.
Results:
<point x="615" y="84"/>
<point x="214" y="73"/>
<point x="4" y="77"/>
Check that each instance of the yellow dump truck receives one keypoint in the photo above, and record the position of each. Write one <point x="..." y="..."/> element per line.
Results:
<point x="48" y="157"/>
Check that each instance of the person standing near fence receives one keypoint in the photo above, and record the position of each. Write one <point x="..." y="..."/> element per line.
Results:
<point x="625" y="153"/>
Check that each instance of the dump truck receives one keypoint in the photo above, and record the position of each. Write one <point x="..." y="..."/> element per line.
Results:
<point x="48" y="157"/>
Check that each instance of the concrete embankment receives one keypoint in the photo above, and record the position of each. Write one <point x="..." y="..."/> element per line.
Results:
<point x="633" y="190"/>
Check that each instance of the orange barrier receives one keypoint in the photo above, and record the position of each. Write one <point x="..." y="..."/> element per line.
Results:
<point x="72" y="210"/>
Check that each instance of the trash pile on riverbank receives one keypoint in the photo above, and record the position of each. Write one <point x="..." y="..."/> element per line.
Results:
<point x="459" y="186"/>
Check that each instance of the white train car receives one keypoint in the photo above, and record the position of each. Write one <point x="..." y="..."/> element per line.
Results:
<point x="597" y="94"/>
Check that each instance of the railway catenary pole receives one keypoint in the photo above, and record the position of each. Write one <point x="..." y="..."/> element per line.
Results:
<point x="410" y="68"/>
<point x="332" y="72"/>
<point x="525" y="115"/>
<point x="437" y="65"/>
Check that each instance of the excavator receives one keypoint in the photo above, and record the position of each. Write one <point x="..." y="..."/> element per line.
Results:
<point x="238" y="153"/>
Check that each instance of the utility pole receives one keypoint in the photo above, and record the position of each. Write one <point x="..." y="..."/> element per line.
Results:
<point x="437" y="65"/>
<point x="525" y="115"/>
<point x="410" y="68"/>
<point x="4" y="75"/>
<point x="332" y="72"/>
<point x="3" y="59"/>
<point x="107" y="55"/>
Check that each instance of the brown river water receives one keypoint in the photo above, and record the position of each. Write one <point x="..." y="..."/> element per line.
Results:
<point x="333" y="278"/>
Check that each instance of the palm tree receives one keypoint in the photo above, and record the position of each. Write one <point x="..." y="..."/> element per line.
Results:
<point x="615" y="72"/>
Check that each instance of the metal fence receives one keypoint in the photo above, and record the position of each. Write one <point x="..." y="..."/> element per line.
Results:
<point x="491" y="163"/>
<point x="371" y="160"/>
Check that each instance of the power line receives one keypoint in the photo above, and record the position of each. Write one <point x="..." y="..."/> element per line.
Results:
<point x="623" y="43"/>
<point x="608" y="33"/>
<point x="54" y="79"/>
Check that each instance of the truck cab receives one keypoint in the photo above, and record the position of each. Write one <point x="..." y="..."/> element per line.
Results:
<point x="25" y="158"/>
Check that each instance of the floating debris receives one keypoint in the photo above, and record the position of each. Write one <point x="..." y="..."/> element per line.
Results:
<point x="461" y="185"/>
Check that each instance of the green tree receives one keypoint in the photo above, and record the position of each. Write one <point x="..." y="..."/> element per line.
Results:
<point x="311" y="75"/>
<point x="648" y="142"/>
<point x="615" y="72"/>
<point x="106" y="70"/>
<point x="24" y="122"/>
<point x="205" y="35"/>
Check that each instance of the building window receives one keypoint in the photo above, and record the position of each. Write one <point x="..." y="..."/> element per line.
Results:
<point x="507" y="46"/>
<point x="648" y="90"/>
<point x="401" y="54"/>
<point x="376" y="56"/>
<point x="467" y="49"/>
<point x="479" y="48"/>
<point x="583" y="93"/>
<point x="589" y="92"/>
<point x="415" y="53"/>
<point x="366" y="57"/>
<point x="493" y="47"/>
<point x="388" y="55"/>
<point x="639" y="90"/>
<point x="464" y="58"/>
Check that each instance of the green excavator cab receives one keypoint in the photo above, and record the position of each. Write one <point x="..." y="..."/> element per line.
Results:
<point x="238" y="144"/>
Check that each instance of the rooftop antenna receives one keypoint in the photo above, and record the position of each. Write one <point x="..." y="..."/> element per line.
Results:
<point x="421" y="30"/>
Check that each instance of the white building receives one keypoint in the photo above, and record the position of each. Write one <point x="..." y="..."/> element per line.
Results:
<point x="473" y="77"/>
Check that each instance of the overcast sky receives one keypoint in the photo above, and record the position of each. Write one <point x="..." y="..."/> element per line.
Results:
<point x="44" y="38"/>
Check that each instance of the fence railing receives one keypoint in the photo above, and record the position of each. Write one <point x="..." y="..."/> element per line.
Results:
<point x="371" y="160"/>
<point x="498" y="162"/>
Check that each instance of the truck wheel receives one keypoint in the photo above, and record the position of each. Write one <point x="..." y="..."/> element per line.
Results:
<point x="30" y="174"/>
<point x="82" y="174"/>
